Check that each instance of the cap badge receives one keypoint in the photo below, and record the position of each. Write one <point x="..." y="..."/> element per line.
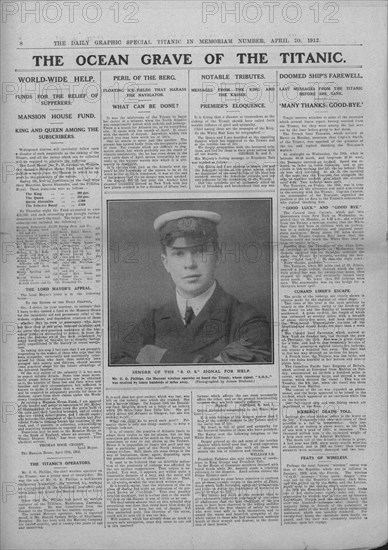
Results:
<point x="187" y="224"/>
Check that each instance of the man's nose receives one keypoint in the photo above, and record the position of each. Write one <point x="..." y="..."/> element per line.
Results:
<point x="190" y="260"/>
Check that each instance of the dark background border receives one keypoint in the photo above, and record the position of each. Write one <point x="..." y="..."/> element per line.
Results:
<point x="137" y="280"/>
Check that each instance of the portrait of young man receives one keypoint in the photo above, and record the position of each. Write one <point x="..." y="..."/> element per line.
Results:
<point x="196" y="320"/>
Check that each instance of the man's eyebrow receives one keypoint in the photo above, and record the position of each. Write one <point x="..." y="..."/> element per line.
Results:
<point x="194" y="247"/>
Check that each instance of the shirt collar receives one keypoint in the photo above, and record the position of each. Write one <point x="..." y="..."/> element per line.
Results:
<point x="197" y="303"/>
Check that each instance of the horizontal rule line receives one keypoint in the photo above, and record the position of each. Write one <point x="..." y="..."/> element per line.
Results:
<point x="197" y="190"/>
<point x="147" y="46"/>
<point x="158" y="68"/>
<point x="200" y="388"/>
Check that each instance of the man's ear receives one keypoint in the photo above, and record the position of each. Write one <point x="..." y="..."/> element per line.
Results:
<point x="165" y="262"/>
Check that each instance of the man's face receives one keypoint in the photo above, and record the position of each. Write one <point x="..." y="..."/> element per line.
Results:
<point x="192" y="269"/>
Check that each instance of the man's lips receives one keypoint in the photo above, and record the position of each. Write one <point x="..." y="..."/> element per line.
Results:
<point x="192" y="277"/>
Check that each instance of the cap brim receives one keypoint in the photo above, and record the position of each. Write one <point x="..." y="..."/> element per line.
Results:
<point x="188" y="242"/>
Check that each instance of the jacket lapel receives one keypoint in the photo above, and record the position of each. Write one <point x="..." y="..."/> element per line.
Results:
<point x="210" y="324"/>
<point x="206" y="328"/>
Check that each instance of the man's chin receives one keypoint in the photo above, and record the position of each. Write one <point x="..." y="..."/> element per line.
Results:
<point x="194" y="287"/>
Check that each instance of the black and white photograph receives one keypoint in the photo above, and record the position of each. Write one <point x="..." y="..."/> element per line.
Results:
<point x="190" y="281"/>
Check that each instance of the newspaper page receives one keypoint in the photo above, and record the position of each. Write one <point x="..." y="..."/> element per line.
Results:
<point x="194" y="286"/>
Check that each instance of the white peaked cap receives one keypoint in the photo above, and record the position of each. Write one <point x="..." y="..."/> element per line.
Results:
<point x="178" y="214"/>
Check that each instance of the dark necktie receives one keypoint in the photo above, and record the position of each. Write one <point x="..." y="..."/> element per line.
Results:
<point x="189" y="315"/>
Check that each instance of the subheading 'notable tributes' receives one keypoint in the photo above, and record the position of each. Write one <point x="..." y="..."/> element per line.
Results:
<point x="202" y="323"/>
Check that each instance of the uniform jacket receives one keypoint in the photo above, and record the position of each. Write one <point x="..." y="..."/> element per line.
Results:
<point x="224" y="326"/>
